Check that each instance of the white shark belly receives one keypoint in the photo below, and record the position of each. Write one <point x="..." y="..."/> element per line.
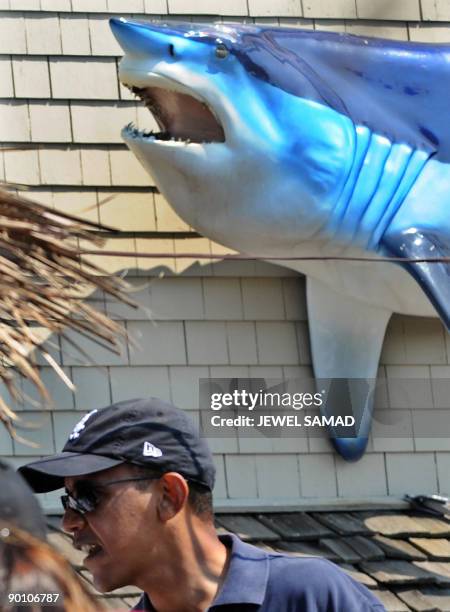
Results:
<point x="383" y="284"/>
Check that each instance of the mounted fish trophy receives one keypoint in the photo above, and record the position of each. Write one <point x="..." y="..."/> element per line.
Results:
<point x="291" y="143"/>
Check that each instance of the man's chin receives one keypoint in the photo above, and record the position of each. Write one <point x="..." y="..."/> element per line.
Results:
<point x="106" y="584"/>
<point x="103" y="576"/>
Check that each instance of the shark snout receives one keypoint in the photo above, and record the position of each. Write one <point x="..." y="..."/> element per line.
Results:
<point x="145" y="39"/>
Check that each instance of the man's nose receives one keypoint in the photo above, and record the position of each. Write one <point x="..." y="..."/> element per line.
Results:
<point x="72" y="521"/>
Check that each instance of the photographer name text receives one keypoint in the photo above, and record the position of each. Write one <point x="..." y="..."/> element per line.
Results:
<point x="282" y="420"/>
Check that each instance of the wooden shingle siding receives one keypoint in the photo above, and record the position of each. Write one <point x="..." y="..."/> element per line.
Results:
<point x="329" y="9"/>
<point x="208" y="7"/>
<point x="396" y="30"/>
<point x="49" y="122"/>
<point x="89" y="5"/>
<point x="268" y="8"/>
<point x="435" y="10"/>
<point x="12" y="33"/>
<point x="380" y="9"/>
<point x="56" y="5"/>
<point x="6" y="81"/>
<point x="430" y="33"/>
<point x="43" y="34"/>
<point x="31" y="77"/>
<point x="405" y="10"/>
<point x="80" y="79"/>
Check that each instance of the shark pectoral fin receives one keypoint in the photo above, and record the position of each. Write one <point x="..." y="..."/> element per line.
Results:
<point x="434" y="278"/>
<point x="346" y="340"/>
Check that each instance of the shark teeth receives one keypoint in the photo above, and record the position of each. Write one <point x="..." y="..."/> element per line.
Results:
<point x="132" y="131"/>
<point x="195" y="125"/>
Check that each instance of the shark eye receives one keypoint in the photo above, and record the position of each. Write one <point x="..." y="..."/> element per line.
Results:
<point x="171" y="50"/>
<point x="221" y="51"/>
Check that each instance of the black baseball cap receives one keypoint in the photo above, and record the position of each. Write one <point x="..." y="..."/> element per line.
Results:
<point x="18" y="505"/>
<point x="145" y="432"/>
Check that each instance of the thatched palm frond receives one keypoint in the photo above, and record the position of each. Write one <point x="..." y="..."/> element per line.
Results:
<point x="43" y="280"/>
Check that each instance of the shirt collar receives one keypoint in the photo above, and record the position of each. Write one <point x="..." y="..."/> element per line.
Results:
<point x="246" y="578"/>
<point x="247" y="575"/>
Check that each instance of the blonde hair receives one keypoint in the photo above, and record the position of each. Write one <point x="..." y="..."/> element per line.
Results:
<point x="31" y="568"/>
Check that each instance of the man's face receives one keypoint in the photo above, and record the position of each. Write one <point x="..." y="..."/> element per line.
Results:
<point x="120" y="533"/>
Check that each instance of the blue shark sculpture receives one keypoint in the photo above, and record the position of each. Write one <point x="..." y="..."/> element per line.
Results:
<point x="286" y="142"/>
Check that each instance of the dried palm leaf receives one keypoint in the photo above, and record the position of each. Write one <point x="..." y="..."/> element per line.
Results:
<point x="43" y="280"/>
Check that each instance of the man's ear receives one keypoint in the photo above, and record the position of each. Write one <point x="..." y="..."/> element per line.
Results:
<point x="174" y="494"/>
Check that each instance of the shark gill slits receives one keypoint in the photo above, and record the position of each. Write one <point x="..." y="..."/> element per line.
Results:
<point x="429" y="135"/>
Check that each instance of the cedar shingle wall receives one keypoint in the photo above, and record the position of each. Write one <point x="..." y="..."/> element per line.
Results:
<point x="59" y="91"/>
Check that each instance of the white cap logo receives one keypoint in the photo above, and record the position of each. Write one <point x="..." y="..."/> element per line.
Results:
<point x="81" y="425"/>
<point x="150" y="450"/>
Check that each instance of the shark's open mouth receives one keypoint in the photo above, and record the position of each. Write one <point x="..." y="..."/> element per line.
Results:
<point x="180" y="117"/>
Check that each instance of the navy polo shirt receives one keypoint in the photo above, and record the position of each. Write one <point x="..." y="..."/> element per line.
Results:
<point x="263" y="581"/>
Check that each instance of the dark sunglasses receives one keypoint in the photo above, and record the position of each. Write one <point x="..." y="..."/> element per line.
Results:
<point x="89" y="493"/>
